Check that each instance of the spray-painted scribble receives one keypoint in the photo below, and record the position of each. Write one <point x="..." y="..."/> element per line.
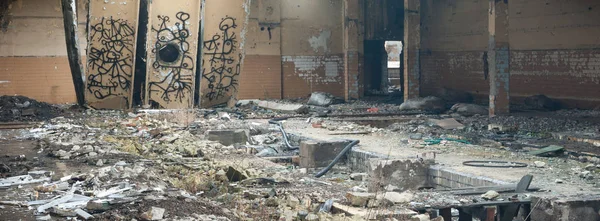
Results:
<point x="173" y="60"/>
<point x="223" y="65"/>
<point x="110" y="60"/>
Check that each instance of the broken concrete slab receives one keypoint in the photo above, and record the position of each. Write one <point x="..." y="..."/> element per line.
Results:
<point x="359" y="176"/>
<point x="273" y="105"/>
<point x="593" y="139"/>
<point x="427" y="104"/>
<point x="552" y="149"/>
<point x="371" y="214"/>
<point x="322" y="99"/>
<point x="404" y="173"/>
<point x="542" y="102"/>
<point x="360" y="199"/>
<point x="501" y="128"/>
<point x="446" y="124"/>
<point x="468" y="110"/>
<point x="315" y="153"/>
<point x="574" y="208"/>
<point x="391" y="198"/>
<point x="155" y="213"/>
<point x="228" y="137"/>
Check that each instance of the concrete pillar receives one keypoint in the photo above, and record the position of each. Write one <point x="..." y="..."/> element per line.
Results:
<point x="412" y="47"/>
<point x="351" y="48"/>
<point x="499" y="57"/>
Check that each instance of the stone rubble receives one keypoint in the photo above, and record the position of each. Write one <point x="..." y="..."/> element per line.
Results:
<point x="220" y="165"/>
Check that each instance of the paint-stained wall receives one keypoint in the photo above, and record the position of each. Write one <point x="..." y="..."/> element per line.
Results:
<point x="312" y="47"/>
<point x="262" y="76"/>
<point x="33" y="59"/>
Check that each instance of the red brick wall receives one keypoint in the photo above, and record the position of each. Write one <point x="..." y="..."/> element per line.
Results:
<point x="261" y="77"/>
<point x="461" y="70"/>
<point x="306" y="74"/>
<point x="572" y="76"/>
<point x="555" y="49"/>
<point x="453" y="42"/>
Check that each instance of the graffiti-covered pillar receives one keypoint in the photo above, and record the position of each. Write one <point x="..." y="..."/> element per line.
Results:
<point x="172" y="45"/>
<point x="111" y="53"/>
<point x="224" y="23"/>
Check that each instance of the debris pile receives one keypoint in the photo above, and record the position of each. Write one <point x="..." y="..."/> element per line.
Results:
<point x="24" y="109"/>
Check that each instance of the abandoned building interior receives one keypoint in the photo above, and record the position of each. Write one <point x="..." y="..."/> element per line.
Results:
<point x="419" y="110"/>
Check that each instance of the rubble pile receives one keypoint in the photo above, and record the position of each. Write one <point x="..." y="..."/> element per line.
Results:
<point x="19" y="108"/>
<point x="238" y="163"/>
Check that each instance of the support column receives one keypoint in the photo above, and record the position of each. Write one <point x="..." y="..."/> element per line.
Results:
<point x="351" y="49"/>
<point x="70" y="22"/>
<point x="412" y="47"/>
<point x="499" y="57"/>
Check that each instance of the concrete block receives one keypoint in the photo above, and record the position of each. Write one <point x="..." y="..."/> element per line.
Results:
<point x="320" y="153"/>
<point x="581" y="208"/>
<point x="403" y="173"/>
<point x="228" y="137"/>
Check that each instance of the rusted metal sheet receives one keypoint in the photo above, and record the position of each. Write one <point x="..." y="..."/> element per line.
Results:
<point x="111" y="53"/>
<point x="172" y="46"/>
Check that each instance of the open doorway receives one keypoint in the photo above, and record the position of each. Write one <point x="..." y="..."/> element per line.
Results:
<point x="383" y="67"/>
<point x="394" y="66"/>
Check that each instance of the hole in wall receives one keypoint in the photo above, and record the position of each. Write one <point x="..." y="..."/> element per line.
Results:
<point x="169" y="53"/>
<point x="262" y="28"/>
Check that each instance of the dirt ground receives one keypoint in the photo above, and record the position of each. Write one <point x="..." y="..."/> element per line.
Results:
<point x="124" y="165"/>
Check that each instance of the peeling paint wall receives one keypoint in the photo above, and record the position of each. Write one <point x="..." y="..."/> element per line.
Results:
<point x="312" y="47"/>
<point x="33" y="59"/>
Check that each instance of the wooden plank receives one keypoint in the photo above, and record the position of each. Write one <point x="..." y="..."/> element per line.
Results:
<point x="172" y="46"/>
<point x="546" y="150"/>
<point x="482" y="190"/>
<point x="490" y="214"/>
<point x="111" y="53"/>
<point x="224" y="23"/>
<point x="70" y="23"/>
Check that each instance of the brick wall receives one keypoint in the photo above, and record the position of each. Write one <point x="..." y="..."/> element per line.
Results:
<point x="312" y="47"/>
<point x="261" y="75"/>
<point x="294" y="47"/>
<point x="453" y="42"/>
<point x="555" y="49"/>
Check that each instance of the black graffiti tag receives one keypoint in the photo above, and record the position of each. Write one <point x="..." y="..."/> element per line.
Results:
<point x="223" y="65"/>
<point x="172" y="51"/>
<point x="110" y="58"/>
